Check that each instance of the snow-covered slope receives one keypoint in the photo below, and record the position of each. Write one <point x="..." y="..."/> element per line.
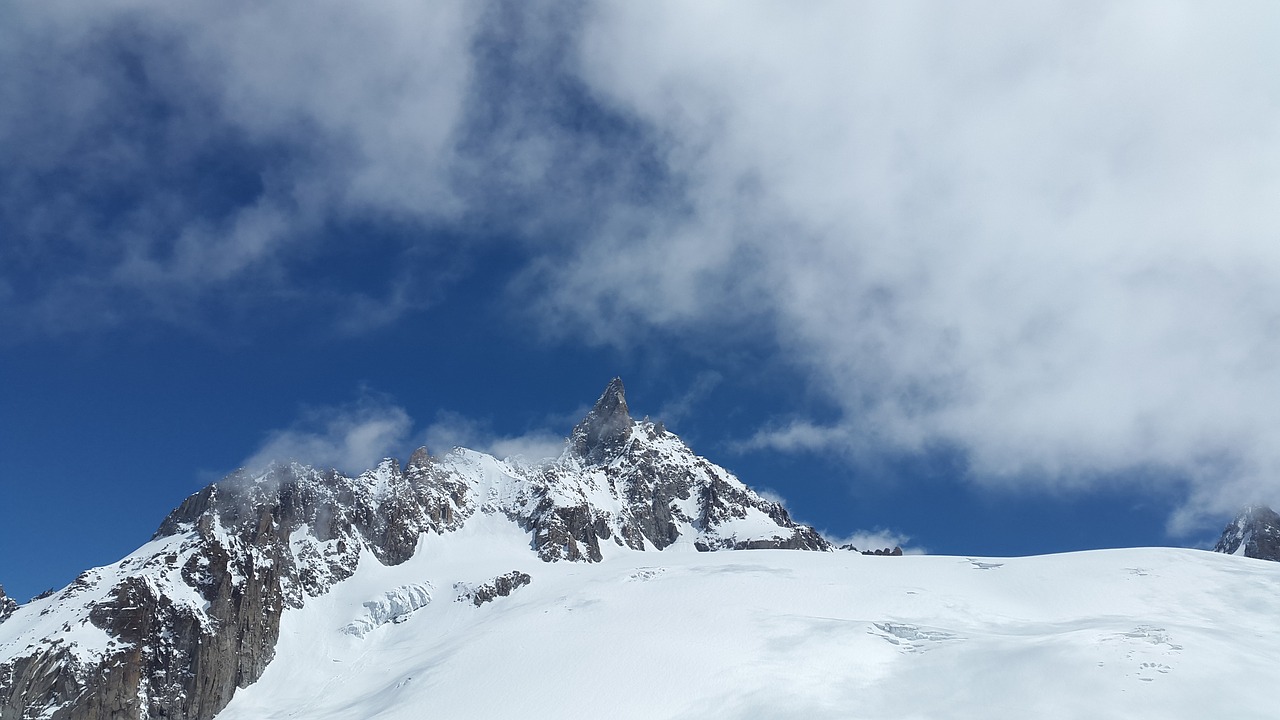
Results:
<point x="177" y="627"/>
<point x="461" y="585"/>
<point x="1137" y="633"/>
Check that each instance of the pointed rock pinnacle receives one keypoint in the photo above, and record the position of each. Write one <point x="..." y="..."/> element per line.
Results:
<point x="606" y="427"/>
<point x="7" y="605"/>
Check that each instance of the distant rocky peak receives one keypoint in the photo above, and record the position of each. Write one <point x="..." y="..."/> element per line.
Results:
<point x="7" y="605"/>
<point x="606" y="427"/>
<point x="1254" y="533"/>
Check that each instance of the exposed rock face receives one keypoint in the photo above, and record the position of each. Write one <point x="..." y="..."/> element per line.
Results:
<point x="501" y="586"/>
<point x="892" y="552"/>
<point x="195" y="614"/>
<point x="173" y="630"/>
<point x="7" y="605"/>
<point x="1254" y="533"/>
<point x="895" y="552"/>
<point x="658" y="493"/>
<point x="605" y="428"/>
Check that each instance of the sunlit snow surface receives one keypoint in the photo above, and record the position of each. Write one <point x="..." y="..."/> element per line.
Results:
<point x="1141" y="633"/>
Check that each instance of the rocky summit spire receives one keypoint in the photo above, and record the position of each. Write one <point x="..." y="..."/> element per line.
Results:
<point x="7" y="605"/>
<point x="605" y="428"/>
<point x="1254" y="533"/>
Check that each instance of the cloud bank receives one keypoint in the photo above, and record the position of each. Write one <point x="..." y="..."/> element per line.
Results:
<point x="162" y="157"/>
<point x="1041" y="235"/>
<point x="451" y="429"/>
<point x="350" y="438"/>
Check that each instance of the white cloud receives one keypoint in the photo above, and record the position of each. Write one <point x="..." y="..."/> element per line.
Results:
<point x="344" y="111"/>
<point x="1042" y="234"/>
<point x="533" y="447"/>
<point x="351" y="438"/>
<point x="771" y="495"/>
<point x="356" y="436"/>
<point x="796" y="436"/>
<point x="452" y="429"/>
<point x="676" y="409"/>
<point x="878" y="539"/>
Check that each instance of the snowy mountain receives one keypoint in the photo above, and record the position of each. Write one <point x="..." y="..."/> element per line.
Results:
<point x="461" y="586"/>
<point x="1255" y="533"/>
<point x="177" y="627"/>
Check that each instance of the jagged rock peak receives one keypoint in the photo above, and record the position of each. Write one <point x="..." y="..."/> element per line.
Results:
<point x="420" y="458"/>
<point x="606" y="427"/>
<point x="195" y="614"/>
<point x="7" y="605"/>
<point x="1255" y="533"/>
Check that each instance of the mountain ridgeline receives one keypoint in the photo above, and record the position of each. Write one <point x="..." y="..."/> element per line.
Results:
<point x="173" y="630"/>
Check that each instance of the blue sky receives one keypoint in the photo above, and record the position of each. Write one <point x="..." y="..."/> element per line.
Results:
<point x="979" y="280"/>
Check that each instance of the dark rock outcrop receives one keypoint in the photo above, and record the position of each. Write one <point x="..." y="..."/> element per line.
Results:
<point x="605" y="428"/>
<point x="7" y="605"/>
<point x="1254" y="533"/>
<point x="501" y="586"/>
<point x="568" y="533"/>
<point x="895" y="552"/>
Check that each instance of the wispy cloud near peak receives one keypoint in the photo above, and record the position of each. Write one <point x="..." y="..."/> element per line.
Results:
<point x="351" y="438"/>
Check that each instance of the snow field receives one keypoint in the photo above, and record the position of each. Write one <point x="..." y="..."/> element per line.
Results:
<point x="1138" y="633"/>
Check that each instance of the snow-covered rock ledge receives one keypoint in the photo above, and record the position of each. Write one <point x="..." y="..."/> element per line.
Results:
<point x="394" y="606"/>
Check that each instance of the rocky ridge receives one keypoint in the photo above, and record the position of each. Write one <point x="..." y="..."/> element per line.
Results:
<point x="174" y="629"/>
<point x="7" y="605"/>
<point x="1254" y="533"/>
